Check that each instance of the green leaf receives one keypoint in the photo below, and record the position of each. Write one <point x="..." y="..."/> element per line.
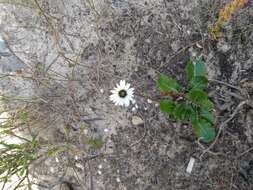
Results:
<point x="196" y="74"/>
<point x="183" y="112"/>
<point x="204" y="130"/>
<point x="199" y="68"/>
<point x="207" y="115"/>
<point x="166" y="84"/>
<point x="24" y="116"/>
<point x="207" y="104"/>
<point x="22" y="171"/>
<point x="190" y="70"/>
<point x="95" y="142"/>
<point x="197" y="95"/>
<point x="167" y="106"/>
<point x="198" y="82"/>
<point x="200" y="98"/>
<point x="179" y="112"/>
<point x="55" y="150"/>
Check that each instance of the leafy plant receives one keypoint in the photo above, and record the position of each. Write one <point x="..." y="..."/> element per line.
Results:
<point x="15" y="160"/>
<point x="16" y="152"/>
<point x="96" y="143"/>
<point x="190" y="104"/>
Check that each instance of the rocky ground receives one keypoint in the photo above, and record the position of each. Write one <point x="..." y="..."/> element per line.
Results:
<point x="70" y="54"/>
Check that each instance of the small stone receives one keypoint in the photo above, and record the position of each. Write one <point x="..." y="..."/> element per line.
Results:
<point x="80" y="166"/>
<point x="223" y="46"/>
<point x="149" y="101"/>
<point x="102" y="90"/>
<point x="100" y="166"/>
<point x="118" y="179"/>
<point x="52" y="170"/>
<point x="85" y="131"/>
<point x="4" y="117"/>
<point x="106" y="130"/>
<point x="99" y="172"/>
<point x="136" y="120"/>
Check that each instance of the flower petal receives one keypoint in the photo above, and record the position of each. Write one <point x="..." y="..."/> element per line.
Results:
<point x="127" y="86"/>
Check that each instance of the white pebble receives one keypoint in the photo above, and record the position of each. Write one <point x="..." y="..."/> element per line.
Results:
<point x="149" y="101"/>
<point x="100" y="166"/>
<point x="99" y="172"/>
<point x="102" y="90"/>
<point x="106" y="130"/>
<point x="190" y="165"/>
<point x="76" y="157"/>
<point x="118" y="179"/>
<point x="78" y="165"/>
<point x="133" y="109"/>
<point x="52" y="170"/>
<point x="85" y="131"/>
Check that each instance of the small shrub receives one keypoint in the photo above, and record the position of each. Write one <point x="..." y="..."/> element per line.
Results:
<point x="190" y="104"/>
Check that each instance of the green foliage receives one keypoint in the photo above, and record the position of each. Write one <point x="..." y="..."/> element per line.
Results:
<point x="16" y="158"/>
<point x="25" y="3"/>
<point x="192" y="105"/>
<point x="167" y="85"/>
<point x="54" y="151"/>
<point x="96" y="143"/>
<point x="167" y="106"/>
<point x="200" y="98"/>
<point x="204" y="130"/>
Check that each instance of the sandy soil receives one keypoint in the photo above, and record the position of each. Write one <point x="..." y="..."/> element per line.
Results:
<point x="70" y="54"/>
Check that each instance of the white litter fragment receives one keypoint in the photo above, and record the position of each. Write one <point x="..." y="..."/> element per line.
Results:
<point x="100" y="166"/>
<point x="190" y="165"/>
<point x="106" y="130"/>
<point x="99" y="172"/>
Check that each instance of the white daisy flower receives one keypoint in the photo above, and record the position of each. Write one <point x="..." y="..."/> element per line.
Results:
<point x="122" y="95"/>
